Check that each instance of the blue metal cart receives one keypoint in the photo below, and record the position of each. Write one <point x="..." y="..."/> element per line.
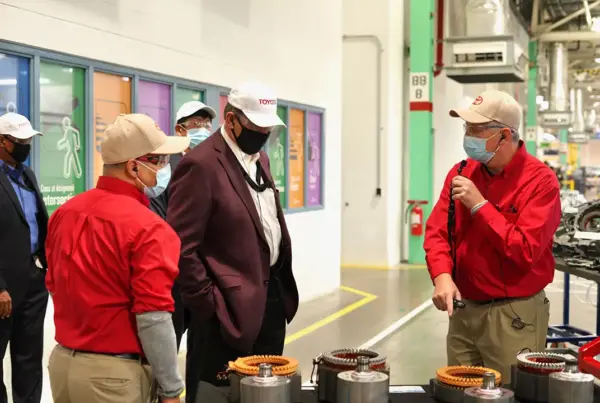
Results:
<point x="567" y="333"/>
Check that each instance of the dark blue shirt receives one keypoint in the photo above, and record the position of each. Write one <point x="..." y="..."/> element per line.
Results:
<point x="27" y="199"/>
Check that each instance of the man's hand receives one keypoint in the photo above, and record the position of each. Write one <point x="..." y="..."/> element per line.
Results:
<point x="170" y="399"/>
<point x="5" y="305"/>
<point x="464" y="189"/>
<point x="445" y="293"/>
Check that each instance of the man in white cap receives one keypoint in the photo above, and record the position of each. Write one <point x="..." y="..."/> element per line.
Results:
<point x="23" y="295"/>
<point x="112" y="263"/>
<point x="236" y="263"/>
<point x="488" y="240"/>
<point x="194" y="121"/>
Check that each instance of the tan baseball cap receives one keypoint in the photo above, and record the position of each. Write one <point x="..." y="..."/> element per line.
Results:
<point x="492" y="106"/>
<point x="135" y="135"/>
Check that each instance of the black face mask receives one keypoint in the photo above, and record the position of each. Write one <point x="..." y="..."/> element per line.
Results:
<point x="20" y="151"/>
<point x="251" y="141"/>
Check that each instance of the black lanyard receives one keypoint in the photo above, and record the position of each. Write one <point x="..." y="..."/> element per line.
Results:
<point x="452" y="224"/>
<point x="256" y="184"/>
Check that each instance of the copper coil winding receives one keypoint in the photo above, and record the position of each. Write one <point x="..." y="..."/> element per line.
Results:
<point x="281" y="366"/>
<point x="543" y="363"/>
<point x="464" y="376"/>
<point x="347" y="358"/>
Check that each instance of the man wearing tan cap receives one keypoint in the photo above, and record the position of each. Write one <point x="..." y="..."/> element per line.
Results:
<point x="236" y="260"/>
<point x="488" y="240"/>
<point x="112" y="263"/>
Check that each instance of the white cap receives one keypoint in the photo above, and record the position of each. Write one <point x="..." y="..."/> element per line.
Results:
<point x="258" y="102"/>
<point x="190" y="108"/>
<point x="493" y="105"/>
<point x="17" y="126"/>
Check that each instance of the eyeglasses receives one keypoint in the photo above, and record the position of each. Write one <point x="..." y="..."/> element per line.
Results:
<point x="244" y="121"/>
<point x="476" y="130"/>
<point x="197" y="123"/>
<point x="158" y="160"/>
<point x="16" y="140"/>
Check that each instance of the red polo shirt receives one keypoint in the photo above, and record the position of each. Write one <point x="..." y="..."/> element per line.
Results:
<point x="504" y="249"/>
<point x="109" y="258"/>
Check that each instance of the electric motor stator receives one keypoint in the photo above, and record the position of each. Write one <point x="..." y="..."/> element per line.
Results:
<point x="265" y="387"/>
<point x="363" y="385"/>
<point x="530" y="375"/>
<point x="329" y="365"/>
<point x="243" y="367"/>
<point x="450" y="383"/>
<point x="571" y="386"/>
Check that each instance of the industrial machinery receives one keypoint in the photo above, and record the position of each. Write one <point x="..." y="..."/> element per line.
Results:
<point x="450" y="383"/>
<point x="249" y="367"/>
<point x="329" y="365"/>
<point x="575" y="250"/>
<point x="265" y="387"/>
<point x="530" y="376"/>
<point x="363" y="385"/>
<point x="570" y="385"/>
<point x="488" y="392"/>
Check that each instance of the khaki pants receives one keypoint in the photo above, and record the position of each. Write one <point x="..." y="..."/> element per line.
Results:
<point x="97" y="378"/>
<point x="483" y="335"/>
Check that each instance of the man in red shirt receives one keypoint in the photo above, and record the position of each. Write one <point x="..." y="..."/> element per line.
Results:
<point x="504" y="209"/>
<point x="111" y="266"/>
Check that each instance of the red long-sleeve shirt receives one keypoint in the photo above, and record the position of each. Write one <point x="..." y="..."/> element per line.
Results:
<point x="505" y="248"/>
<point x="109" y="258"/>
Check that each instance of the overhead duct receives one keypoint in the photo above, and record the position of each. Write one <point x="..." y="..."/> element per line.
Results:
<point x="558" y="114"/>
<point x="578" y="134"/>
<point x="487" y="42"/>
<point x="589" y="117"/>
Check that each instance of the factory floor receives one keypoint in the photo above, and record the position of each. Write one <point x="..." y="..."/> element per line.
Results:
<point x="386" y="310"/>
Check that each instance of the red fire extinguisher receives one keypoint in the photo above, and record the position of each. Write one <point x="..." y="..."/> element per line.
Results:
<point x="416" y="216"/>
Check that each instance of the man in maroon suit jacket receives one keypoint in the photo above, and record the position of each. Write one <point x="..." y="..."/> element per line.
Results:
<point x="236" y="258"/>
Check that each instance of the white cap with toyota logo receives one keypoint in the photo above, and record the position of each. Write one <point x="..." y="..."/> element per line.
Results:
<point x="258" y="102"/>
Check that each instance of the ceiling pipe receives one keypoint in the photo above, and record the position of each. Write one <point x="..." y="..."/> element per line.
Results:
<point x="379" y="48"/>
<point x="579" y="122"/>
<point x="439" y="50"/>
<point x="535" y="16"/>
<point x="570" y="36"/>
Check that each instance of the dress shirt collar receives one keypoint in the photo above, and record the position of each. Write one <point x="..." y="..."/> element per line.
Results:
<point x="13" y="172"/>
<point x="119" y="186"/>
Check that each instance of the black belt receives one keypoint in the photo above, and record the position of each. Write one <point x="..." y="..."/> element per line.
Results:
<point x="124" y="356"/>
<point x="492" y="301"/>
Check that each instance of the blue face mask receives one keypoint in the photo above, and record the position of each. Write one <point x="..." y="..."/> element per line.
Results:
<point x="197" y="136"/>
<point x="476" y="148"/>
<point x="163" y="176"/>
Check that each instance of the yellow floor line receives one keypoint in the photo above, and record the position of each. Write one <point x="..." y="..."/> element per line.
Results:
<point x="396" y="267"/>
<point x="366" y="298"/>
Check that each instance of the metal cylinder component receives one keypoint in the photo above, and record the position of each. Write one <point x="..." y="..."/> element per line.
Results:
<point x="488" y="392"/>
<point x="529" y="386"/>
<point x="363" y="385"/>
<point x="329" y="365"/>
<point x="571" y="386"/>
<point x="265" y="388"/>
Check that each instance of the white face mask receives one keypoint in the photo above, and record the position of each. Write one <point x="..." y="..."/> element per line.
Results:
<point x="163" y="176"/>
<point x="197" y="136"/>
